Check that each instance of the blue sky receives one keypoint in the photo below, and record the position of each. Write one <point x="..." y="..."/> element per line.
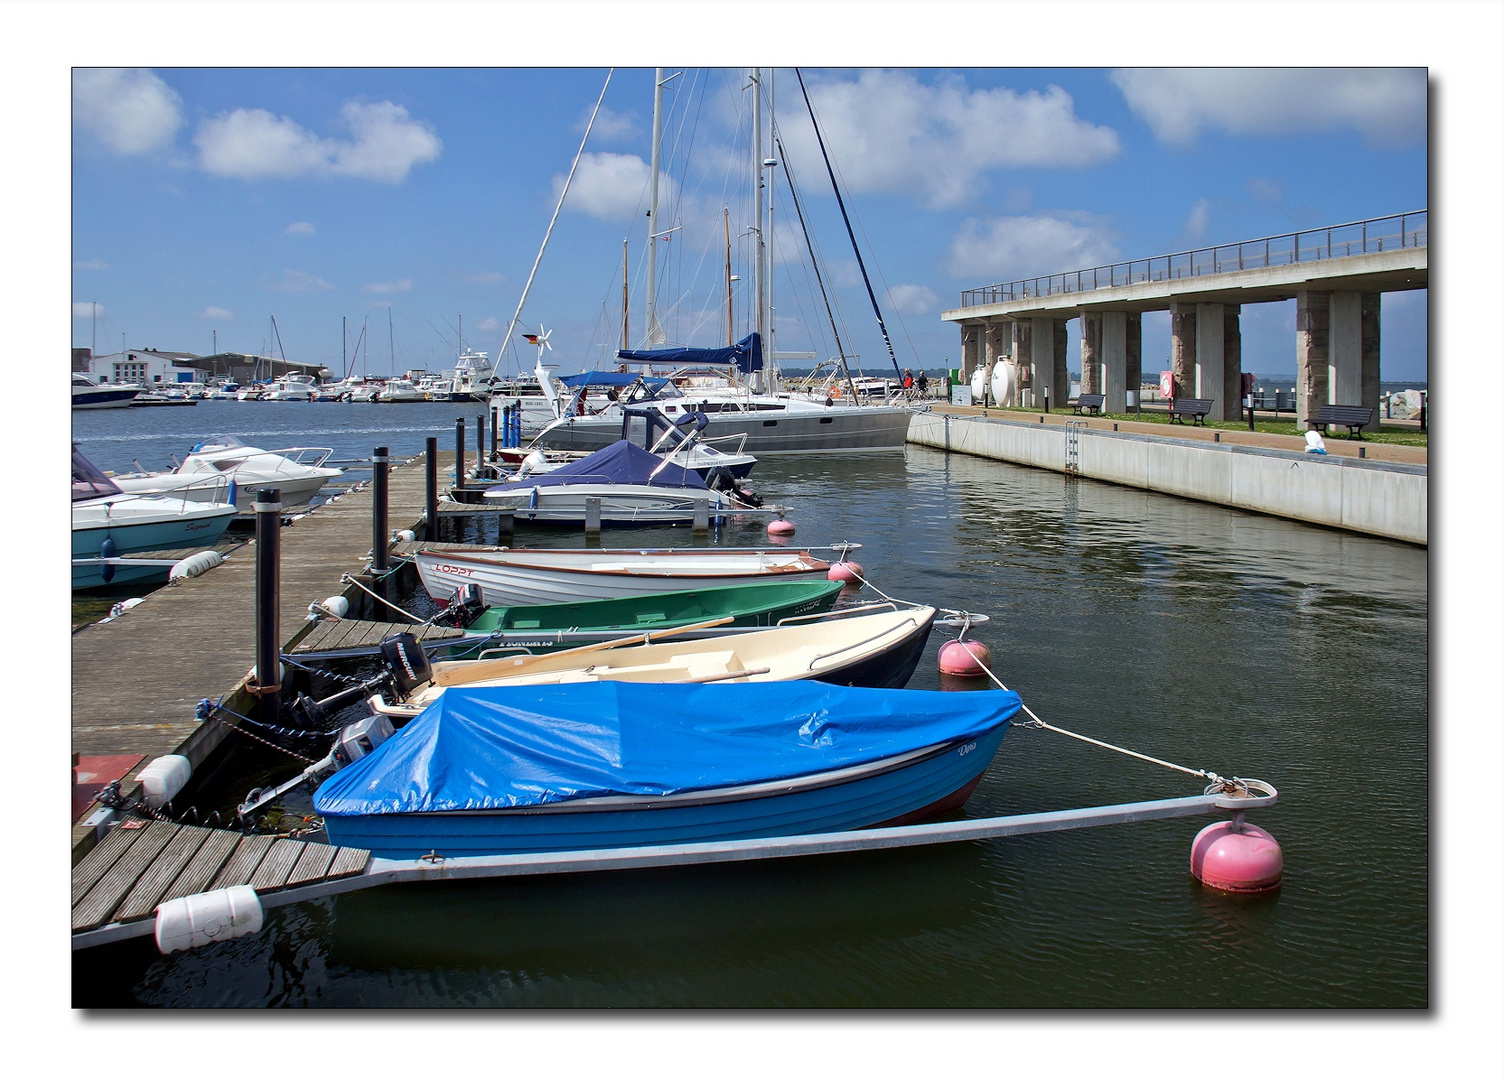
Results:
<point x="207" y="200"/>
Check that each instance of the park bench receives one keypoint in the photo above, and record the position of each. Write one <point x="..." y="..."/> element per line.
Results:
<point x="1195" y="408"/>
<point x="1352" y="417"/>
<point x="1090" y="402"/>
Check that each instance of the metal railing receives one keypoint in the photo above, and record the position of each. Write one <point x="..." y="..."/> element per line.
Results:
<point x="1407" y="230"/>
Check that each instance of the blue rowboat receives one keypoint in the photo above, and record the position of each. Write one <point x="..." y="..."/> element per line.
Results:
<point x="603" y="765"/>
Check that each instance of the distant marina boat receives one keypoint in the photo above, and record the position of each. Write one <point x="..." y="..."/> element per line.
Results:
<point x="88" y="394"/>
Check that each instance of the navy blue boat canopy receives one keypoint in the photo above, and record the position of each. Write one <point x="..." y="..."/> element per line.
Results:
<point x="612" y="378"/>
<point x="746" y="354"/>
<point x="619" y="463"/>
<point x="486" y="748"/>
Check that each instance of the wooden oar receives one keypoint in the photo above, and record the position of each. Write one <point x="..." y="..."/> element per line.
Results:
<point x="453" y="672"/>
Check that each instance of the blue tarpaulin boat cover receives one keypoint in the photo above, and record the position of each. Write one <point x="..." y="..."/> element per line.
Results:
<point x="619" y="463"/>
<point x="746" y="354"/>
<point x="495" y="747"/>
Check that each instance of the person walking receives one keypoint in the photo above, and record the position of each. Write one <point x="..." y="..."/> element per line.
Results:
<point x="924" y="384"/>
<point x="908" y="379"/>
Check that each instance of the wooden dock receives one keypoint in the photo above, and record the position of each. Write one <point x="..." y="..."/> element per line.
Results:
<point x="138" y="678"/>
<point x="353" y="637"/>
<point x="143" y="864"/>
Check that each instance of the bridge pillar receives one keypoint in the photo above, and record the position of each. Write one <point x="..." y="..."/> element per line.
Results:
<point x="1133" y="362"/>
<point x="1091" y="352"/>
<point x="1023" y="358"/>
<point x="1114" y="363"/>
<point x="1232" y="363"/>
<point x="1312" y="341"/>
<point x="971" y="337"/>
<point x="1219" y="359"/>
<point x="1062" y="388"/>
<point x="1183" y="348"/>
<point x="1353" y="354"/>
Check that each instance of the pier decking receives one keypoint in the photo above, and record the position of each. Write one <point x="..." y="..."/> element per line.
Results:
<point x="138" y="678"/>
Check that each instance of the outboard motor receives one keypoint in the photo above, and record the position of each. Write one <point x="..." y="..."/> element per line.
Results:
<point x="359" y="739"/>
<point x="406" y="662"/>
<point x="466" y="606"/>
<point x="720" y="479"/>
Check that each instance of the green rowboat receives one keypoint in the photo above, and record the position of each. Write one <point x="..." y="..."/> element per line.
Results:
<point x="540" y="627"/>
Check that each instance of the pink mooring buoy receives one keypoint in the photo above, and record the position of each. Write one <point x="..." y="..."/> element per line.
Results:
<point x="847" y="571"/>
<point x="780" y="527"/>
<point x="1234" y="856"/>
<point x="964" y="658"/>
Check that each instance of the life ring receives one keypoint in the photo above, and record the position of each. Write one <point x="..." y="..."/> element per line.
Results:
<point x="835" y="391"/>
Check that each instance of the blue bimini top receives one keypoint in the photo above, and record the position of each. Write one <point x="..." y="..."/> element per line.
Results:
<point x="619" y="463"/>
<point x="496" y="747"/>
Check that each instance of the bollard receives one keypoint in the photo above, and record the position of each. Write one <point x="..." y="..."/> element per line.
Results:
<point x="380" y="536"/>
<point x="495" y="418"/>
<point x="1046" y="401"/>
<point x="459" y="453"/>
<point x="702" y="515"/>
<point x="593" y="515"/>
<point x="480" y="445"/>
<point x="268" y="511"/>
<point x="1249" y="399"/>
<point x="431" y="492"/>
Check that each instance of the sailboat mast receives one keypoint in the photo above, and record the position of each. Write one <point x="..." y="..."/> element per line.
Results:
<point x="730" y="326"/>
<point x="654" y="331"/>
<point x="759" y="286"/>
<point x="626" y="337"/>
<point x="391" y="348"/>
<point x="344" y="355"/>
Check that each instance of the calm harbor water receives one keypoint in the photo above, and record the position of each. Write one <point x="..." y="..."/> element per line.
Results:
<point x="1202" y="635"/>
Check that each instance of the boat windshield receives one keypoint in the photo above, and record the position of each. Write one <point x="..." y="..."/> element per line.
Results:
<point x="88" y="481"/>
<point x="217" y="442"/>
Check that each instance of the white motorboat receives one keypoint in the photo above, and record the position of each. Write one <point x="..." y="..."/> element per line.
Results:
<point x="293" y="387"/>
<point x="556" y="576"/>
<point x="299" y="471"/>
<point x="88" y="394"/>
<point x="401" y="390"/>
<point x="109" y="522"/>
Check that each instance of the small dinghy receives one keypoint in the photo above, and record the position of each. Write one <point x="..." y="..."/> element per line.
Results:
<point x="487" y="771"/>
<point x="562" y="575"/>
<point x="876" y="650"/>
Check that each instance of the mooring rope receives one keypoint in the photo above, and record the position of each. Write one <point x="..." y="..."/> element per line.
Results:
<point x="347" y="579"/>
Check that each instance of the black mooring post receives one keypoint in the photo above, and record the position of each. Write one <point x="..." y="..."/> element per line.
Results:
<point x="431" y="492"/>
<point x="380" y="535"/>
<point x="268" y="511"/>
<point x="459" y="452"/>
<point x="495" y="423"/>
<point x="480" y="444"/>
<point x="1046" y="401"/>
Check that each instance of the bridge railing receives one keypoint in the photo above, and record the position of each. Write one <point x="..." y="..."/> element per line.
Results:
<point x="1407" y="230"/>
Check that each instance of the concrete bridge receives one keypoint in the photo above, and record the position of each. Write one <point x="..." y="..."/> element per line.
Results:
<point x="1334" y="274"/>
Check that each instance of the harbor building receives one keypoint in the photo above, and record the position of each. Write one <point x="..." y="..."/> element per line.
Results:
<point x="157" y="367"/>
<point x="1335" y="274"/>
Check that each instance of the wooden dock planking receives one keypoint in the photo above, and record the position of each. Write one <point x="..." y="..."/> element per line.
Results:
<point x="102" y="900"/>
<point x="352" y="634"/>
<point x="143" y="674"/>
<point x="134" y="871"/>
<point x="207" y="862"/>
<point x="147" y="893"/>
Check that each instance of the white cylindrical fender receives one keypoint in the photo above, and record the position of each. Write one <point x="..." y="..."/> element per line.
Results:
<point x="194" y="565"/>
<point x="337" y="606"/>
<point x="163" y="778"/>
<point x="205" y="918"/>
<point x="406" y="535"/>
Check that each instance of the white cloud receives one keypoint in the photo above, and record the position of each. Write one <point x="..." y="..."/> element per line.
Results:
<point x="610" y="126"/>
<point x="218" y="313"/>
<point x="612" y="186"/>
<point x="488" y="325"/>
<point x="914" y="300"/>
<point x="299" y="281"/>
<point x="1199" y="218"/>
<point x="253" y="144"/>
<point x="1008" y="248"/>
<point x="1387" y="105"/>
<point x="1264" y="190"/>
<point x="127" y="110"/>
<point x="889" y="132"/>
<point x="84" y="309"/>
<point x="401" y="285"/>
<point x="299" y="228"/>
<point x="92" y="264"/>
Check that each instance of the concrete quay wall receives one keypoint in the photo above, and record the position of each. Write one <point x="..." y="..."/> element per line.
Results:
<point x="1378" y="498"/>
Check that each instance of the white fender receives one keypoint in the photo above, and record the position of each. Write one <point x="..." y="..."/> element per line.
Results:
<point x="204" y="918"/>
